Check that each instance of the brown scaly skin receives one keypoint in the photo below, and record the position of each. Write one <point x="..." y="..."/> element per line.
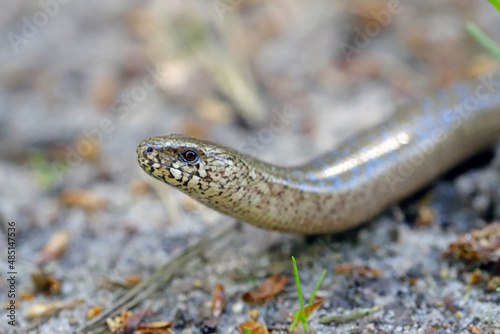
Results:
<point x="340" y="189"/>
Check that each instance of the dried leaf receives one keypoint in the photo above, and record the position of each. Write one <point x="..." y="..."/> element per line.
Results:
<point x="351" y="268"/>
<point x="309" y="309"/>
<point x="158" y="327"/>
<point x="253" y="326"/>
<point x="482" y="245"/>
<point x="127" y="283"/>
<point x="40" y="310"/>
<point x="217" y="300"/>
<point x="82" y="199"/>
<point x="55" y="247"/>
<point x="45" y="283"/>
<point x="94" y="310"/>
<point x="134" y="320"/>
<point x="268" y="289"/>
<point x="27" y="295"/>
<point x="476" y="330"/>
<point x="132" y="280"/>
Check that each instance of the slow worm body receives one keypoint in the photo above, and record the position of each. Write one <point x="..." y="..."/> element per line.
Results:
<point x="345" y="187"/>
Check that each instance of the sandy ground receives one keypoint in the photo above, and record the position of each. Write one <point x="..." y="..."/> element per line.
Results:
<point x="82" y="83"/>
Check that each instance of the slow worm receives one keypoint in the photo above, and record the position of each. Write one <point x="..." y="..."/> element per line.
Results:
<point x="345" y="187"/>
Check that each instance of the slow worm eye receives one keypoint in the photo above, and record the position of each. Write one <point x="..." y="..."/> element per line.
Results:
<point x="149" y="150"/>
<point x="190" y="156"/>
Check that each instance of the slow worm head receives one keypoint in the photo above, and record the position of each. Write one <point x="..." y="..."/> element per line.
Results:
<point x="342" y="188"/>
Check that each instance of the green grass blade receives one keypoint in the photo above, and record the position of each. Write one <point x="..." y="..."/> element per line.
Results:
<point x="297" y="282"/>
<point x="295" y="320"/>
<point x="484" y="39"/>
<point x="495" y="3"/>
<point x="303" y="320"/>
<point x="247" y="331"/>
<point x="317" y="287"/>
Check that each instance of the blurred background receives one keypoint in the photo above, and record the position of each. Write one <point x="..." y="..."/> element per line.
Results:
<point x="83" y="82"/>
